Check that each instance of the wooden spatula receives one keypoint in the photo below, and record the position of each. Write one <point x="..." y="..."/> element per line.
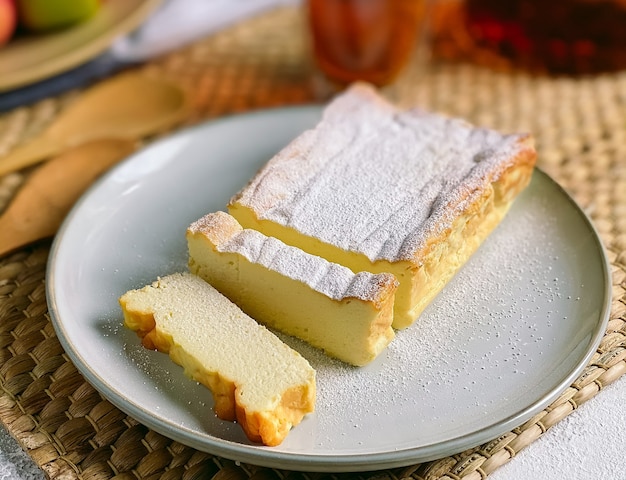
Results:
<point x="48" y="194"/>
<point x="128" y="106"/>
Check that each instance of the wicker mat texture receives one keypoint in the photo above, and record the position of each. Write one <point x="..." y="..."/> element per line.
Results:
<point x="72" y="432"/>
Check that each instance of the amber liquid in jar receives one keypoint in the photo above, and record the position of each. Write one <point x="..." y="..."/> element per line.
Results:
<point x="557" y="36"/>
<point x="370" y="40"/>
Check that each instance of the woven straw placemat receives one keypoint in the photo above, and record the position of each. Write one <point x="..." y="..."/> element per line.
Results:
<point x="72" y="432"/>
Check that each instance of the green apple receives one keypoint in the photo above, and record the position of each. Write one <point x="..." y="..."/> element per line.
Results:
<point x="8" y="20"/>
<point x="44" y="15"/>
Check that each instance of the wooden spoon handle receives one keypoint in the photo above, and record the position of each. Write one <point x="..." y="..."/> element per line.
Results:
<point x="44" y="200"/>
<point x="29" y="154"/>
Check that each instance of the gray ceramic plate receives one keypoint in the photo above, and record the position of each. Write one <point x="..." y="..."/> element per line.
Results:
<point x="512" y="330"/>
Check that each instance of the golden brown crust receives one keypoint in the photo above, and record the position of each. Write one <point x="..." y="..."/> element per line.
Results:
<point x="435" y="264"/>
<point x="271" y="429"/>
<point x="218" y="228"/>
<point x="501" y="189"/>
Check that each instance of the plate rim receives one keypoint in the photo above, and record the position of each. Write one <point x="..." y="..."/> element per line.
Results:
<point x="354" y="462"/>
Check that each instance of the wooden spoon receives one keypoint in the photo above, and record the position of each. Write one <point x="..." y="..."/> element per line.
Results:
<point x="48" y="194"/>
<point x="128" y="106"/>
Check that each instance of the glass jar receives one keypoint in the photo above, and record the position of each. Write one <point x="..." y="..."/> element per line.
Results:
<point x="370" y="40"/>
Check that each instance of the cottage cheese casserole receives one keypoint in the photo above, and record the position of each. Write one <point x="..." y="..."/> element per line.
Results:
<point x="254" y="377"/>
<point x="379" y="189"/>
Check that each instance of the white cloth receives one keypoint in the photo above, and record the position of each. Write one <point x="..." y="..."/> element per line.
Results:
<point x="178" y="22"/>
<point x="590" y="443"/>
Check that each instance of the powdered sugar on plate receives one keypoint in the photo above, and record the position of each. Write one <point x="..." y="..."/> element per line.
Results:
<point x="484" y="339"/>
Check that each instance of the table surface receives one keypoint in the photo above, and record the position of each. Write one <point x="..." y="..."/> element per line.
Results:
<point x="589" y="442"/>
<point x="580" y="447"/>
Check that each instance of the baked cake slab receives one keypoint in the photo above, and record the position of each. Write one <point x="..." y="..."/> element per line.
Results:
<point x="379" y="189"/>
<point x="255" y="378"/>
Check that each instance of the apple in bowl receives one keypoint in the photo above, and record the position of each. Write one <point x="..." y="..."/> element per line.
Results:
<point x="44" y="15"/>
<point x="8" y="20"/>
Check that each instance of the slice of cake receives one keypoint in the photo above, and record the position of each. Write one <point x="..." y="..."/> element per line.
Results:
<point x="378" y="189"/>
<point x="347" y="315"/>
<point x="255" y="378"/>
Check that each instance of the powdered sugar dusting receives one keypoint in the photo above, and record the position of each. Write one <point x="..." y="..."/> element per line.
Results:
<point x="334" y="281"/>
<point x="381" y="181"/>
